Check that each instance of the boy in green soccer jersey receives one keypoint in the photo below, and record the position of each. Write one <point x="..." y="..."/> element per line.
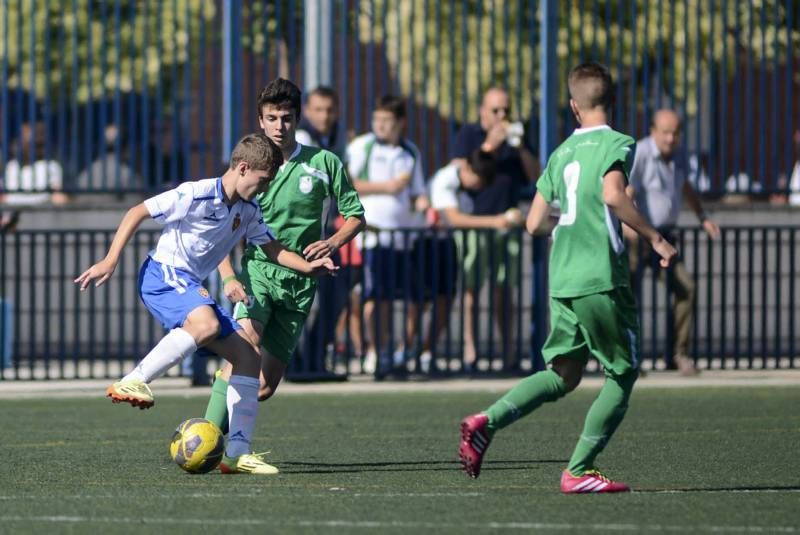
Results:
<point x="272" y="302"/>
<point x="592" y="310"/>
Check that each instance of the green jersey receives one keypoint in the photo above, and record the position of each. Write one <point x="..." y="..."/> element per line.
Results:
<point x="293" y="203"/>
<point x="588" y="254"/>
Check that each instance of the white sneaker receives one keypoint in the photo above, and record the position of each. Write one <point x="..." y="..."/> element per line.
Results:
<point x="425" y="359"/>
<point x="370" y="362"/>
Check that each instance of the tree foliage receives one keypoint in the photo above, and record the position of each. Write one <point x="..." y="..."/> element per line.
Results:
<point x="446" y="53"/>
<point x="443" y="53"/>
<point x="88" y="48"/>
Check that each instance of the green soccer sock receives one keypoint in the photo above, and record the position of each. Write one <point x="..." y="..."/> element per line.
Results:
<point x="526" y="396"/>
<point x="217" y="409"/>
<point x="603" y="418"/>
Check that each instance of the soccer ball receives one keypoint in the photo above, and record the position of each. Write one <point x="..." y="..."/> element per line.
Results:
<point x="197" y="446"/>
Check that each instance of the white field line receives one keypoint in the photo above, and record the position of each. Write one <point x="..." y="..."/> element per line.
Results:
<point x="250" y="494"/>
<point x="399" y="524"/>
<point x="345" y="493"/>
<point x="94" y="388"/>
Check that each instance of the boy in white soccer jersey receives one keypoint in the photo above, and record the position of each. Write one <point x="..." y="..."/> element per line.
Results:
<point x="203" y="221"/>
<point x="592" y="310"/>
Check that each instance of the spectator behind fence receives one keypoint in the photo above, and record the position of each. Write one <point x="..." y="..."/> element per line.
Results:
<point x="516" y="167"/>
<point x="111" y="171"/>
<point x="659" y="180"/>
<point x="319" y="126"/>
<point x="387" y="174"/>
<point x="31" y="177"/>
<point x="8" y="224"/>
<point x="794" y="179"/>
<point x="450" y="190"/>
<point x="496" y="135"/>
<point x="162" y="162"/>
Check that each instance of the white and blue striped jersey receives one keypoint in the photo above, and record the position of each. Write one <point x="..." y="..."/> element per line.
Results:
<point x="200" y="229"/>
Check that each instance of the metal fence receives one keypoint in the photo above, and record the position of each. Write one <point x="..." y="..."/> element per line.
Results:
<point x="132" y="96"/>
<point x="746" y="311"/>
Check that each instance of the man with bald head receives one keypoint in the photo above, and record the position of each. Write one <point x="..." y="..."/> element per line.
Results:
<point x="486" y="255"/>
<point x="516" y="164"/>
<point x="659" y="179"/>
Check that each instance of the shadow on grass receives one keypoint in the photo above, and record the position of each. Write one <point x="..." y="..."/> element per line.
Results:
<point x="784" y="488"/>
<point x="304" y="467"/>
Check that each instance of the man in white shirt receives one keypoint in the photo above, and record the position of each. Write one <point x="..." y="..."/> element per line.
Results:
<point x="450" y="199"/>
<point x="203" y="221"/>
<point x="659" y="179"/>
<point x="387" y="174"/>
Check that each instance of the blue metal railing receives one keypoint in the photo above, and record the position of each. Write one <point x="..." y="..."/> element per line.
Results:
<point x="155" y="71"/>
<point x="745" y="313"/>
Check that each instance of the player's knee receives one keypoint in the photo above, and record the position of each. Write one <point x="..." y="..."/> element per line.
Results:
<point x="570" y="371"/>
<point x="206" y="330"/>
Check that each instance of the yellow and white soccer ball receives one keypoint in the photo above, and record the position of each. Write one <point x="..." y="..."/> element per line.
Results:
<point x="197" y="446"/>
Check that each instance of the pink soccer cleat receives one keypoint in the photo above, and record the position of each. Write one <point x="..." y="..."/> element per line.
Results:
<point x="591" y="481"/>
<point x="475" y="440"/>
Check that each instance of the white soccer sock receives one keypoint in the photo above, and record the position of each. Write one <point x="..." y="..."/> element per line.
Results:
<point x="173" y="348"/>
<point x="242" y="407"/>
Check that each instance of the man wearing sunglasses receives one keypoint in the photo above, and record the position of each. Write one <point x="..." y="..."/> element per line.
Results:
<point x="486" y="254"/>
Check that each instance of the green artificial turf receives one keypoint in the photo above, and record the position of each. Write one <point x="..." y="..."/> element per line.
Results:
<point x="700" y="460"/>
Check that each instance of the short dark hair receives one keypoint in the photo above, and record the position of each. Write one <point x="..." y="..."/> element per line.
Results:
<point x="482" y="164"/>
<point x="326" y="92"/>
<point x="394" y="105"/>
<point x="282" y="94"/>
<point x="590" y="86"/>
<point x="259" y="152"/>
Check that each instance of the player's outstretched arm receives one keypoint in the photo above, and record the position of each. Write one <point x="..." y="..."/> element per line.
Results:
<point x="325" y="248"/>
<point x="537" y="216"/>
<point x="616" y="198"/>
<point x="283" y="256"/>
<point x="102" y="270"/>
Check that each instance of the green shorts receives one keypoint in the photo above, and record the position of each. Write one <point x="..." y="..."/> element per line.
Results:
<point x="280" y="300"/>
<point x="604" y="325"/>
<point x="487" y="254"/>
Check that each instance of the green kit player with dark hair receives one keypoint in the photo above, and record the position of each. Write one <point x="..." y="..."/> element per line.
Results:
<point x="592" y="309"/>
<point x="272" y="302"/>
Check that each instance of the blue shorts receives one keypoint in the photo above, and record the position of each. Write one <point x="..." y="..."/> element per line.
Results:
<point x="436" y="268"/>
<point x="388" y="273"/>
<point x="171" y="294"/>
